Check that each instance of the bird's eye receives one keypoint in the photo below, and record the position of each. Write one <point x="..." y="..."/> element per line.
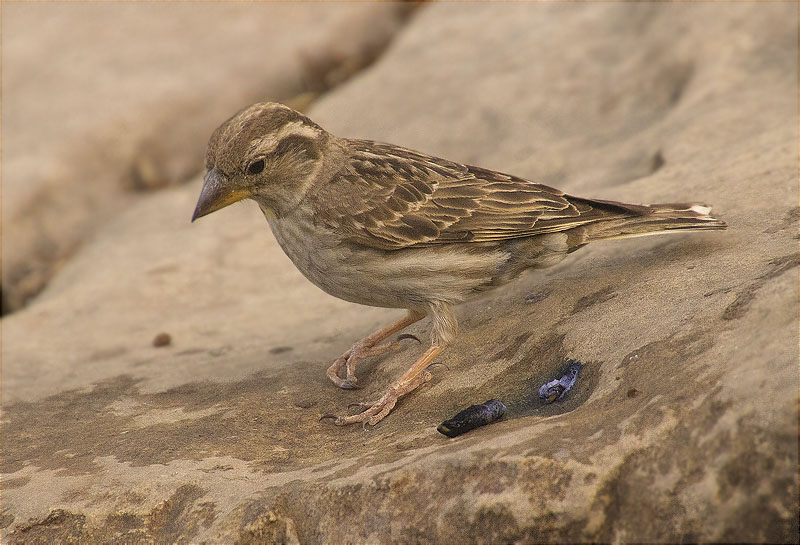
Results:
<point x="255" y="167"/>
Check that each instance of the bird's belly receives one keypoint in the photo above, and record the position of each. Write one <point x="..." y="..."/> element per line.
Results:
<point x="407" y="278"/>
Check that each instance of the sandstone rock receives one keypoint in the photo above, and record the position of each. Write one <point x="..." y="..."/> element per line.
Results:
<point x="102" y="101"/>
<point x="216" y="437"/>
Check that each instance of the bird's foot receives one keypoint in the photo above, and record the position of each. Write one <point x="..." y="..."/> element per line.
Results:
<point x="361" y="349"/>
<point x="371" y="413"/>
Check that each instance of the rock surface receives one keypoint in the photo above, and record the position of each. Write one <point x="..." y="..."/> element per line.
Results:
<point x="681" y="427"/>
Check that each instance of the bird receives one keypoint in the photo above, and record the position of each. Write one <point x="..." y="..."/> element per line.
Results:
<point x="386" y="226"/>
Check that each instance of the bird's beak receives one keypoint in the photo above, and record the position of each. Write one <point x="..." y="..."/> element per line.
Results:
<point x="215" y="195"/>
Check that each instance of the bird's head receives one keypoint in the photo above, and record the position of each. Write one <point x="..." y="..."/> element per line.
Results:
<point x="266" y="152"/>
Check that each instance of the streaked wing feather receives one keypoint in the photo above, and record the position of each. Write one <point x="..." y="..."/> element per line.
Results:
<point x="389" y="198"/>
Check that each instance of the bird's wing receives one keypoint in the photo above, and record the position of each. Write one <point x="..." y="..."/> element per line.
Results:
<point x="389" y="198"/>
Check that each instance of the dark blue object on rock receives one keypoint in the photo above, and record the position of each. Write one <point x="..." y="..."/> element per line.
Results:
<point x="473" y="417"/>
<point x="555" y="389"/>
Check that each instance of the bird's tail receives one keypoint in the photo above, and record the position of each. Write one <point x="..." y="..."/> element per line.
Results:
<point x="653" y="219"/>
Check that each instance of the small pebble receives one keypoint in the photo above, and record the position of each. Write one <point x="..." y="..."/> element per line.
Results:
<point x="280" y="349"/>
<point x="162" y="339"/>
<point x="633" y="392"/>
<point x="304" y="404"/>
<point x="555" y="389"/>
<point x="473" y="417"/>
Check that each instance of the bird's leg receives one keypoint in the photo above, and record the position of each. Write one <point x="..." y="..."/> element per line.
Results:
<point x="372" y="413"/>
<point x="368" y="346"/>
<point x="444" y="331"/>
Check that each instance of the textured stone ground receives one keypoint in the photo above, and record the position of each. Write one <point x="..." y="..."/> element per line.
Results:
<point x="682" y="427"/>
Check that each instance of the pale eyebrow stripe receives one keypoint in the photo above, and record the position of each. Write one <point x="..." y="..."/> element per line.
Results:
<point x="269" y="142"/>
<point x="298" y="128"/>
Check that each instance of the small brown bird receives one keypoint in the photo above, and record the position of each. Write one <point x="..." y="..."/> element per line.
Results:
<point x="386" y="226"/>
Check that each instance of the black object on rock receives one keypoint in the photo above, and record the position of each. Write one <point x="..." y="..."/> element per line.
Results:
<point x="473" y="417"/>
<point x="555" y="389"/>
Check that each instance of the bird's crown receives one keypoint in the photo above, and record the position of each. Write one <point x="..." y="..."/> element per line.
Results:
<point x="258" y="131"/>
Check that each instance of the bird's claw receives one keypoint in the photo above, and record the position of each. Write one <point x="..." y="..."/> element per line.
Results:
<point x="361" y="407"/>
<point x="439" y="363"/>
<point x="408" y="336"/>
<point x="369" y="414"/>
<point x="343" y="420"/>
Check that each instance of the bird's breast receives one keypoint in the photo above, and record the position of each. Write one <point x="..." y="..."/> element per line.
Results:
<point x="406" y="278"/>
<point x="321" y="257"/>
